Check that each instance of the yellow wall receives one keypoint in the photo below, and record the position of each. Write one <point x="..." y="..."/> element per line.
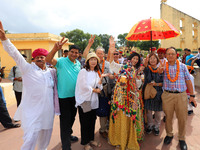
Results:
<point x="29" y="41"/>
<point x="186" y="40"/>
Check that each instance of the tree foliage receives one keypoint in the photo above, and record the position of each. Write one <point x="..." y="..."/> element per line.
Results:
<point x="143" y="45"/>
<point x="78" y="37"/>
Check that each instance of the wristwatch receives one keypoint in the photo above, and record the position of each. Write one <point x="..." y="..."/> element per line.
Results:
<point x="192" y="95"/>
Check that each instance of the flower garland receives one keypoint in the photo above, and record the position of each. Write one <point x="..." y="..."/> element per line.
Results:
<point x="177" y="71"/>
<point x="126" y="92"/>
<point x="103" y="67"/>
<point x="154" y="71"/>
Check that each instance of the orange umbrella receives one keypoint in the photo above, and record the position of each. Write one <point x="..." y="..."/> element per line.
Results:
<point x="152" y="29"/>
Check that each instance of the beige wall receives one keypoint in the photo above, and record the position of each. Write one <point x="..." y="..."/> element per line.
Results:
<point x="30" y="41"/>
<point x="186" y="40"/>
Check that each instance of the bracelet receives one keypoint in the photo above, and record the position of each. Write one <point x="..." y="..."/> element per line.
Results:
<point x="192" y="95"/>
<point x="157" y="84"/>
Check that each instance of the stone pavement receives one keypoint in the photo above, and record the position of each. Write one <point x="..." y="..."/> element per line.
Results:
<point x="11" y="139"/>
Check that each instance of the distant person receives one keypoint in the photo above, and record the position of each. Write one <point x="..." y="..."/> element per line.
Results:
<point x="184" y="56"/>
<point x="2" y="74"/>
<point x="5" y="119"/>
<point x="188" y="61"/>
<point x="195" y="59"/>
<point x="81" y="59"/>
<point x="65" y="54"/>
<point x="161" y="55"/>
<point x="121" y="58"/>
<point x="15" y="76"/>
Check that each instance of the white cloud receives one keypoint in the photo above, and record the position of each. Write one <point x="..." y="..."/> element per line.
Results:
<point x="96" y="17"/>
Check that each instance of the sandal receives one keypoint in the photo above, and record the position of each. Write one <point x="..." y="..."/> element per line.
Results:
<point x="96" y="144"/>
<point x="88" y="147"/>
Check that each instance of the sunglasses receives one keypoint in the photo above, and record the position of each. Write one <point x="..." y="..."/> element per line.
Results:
<point x="116" y="54"/>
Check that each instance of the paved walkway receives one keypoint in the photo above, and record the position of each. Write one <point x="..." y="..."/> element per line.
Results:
<point x="11" y="139"/>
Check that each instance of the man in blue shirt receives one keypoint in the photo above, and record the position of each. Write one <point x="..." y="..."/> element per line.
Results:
<point x="189" y="55"/>
<point x="67" y="72"/>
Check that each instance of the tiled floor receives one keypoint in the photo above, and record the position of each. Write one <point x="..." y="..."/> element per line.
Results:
<point x="12" y="139"/>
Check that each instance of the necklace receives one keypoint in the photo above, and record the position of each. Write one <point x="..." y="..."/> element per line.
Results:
<point x="103" y="67"/>
<point x="177" y="71"/>
<point x="154" y="71"/>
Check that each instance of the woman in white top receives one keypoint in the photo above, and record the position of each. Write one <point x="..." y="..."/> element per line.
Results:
<point x="87" y="88"/>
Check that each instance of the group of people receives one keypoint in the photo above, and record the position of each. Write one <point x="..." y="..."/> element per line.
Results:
<point x="134" y="90"/>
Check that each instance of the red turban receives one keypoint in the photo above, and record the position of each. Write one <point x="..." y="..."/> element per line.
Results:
<point x="153" y="48"/>
<point x="39" y="51"/>
<point x="161" y="50"/>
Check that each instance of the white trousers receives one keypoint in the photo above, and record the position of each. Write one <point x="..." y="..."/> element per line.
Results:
<point x="40" y="138"/>
<point x="157" y="119"/>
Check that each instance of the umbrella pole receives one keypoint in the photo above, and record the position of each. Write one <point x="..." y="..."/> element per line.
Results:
<point x="151" y="40"/>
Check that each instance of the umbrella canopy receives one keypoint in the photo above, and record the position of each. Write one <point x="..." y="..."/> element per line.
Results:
<point x="152" y="29"/>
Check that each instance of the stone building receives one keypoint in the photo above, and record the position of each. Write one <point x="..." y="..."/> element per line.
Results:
<point x="188" y="26"/>
<point x="26" y="43"/>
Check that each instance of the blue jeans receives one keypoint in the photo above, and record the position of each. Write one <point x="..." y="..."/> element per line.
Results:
<point x="3" y="98"/>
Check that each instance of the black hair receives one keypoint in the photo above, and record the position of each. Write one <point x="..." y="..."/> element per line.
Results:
<point x="133" y="55"/>
<point x="74" y="47"/>
<point x="24" y="56"/>
<point x="171" y="48"/>
<point x="66" y="51"/>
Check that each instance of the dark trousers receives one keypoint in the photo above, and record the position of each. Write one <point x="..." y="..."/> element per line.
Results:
<point x="87" y="122"/>
<point x="18" y="96"/>
<point x="5" y="119"/>
<point x="198" y="62"/>
<point x="68" y="112"/>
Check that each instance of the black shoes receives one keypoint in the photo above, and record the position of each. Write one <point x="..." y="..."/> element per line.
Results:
<point x="17" y="125"/>
<point x="164" y="118"/>
<point x="74" y="138"/>
<point x="183" y="145"/>
<point x="149" y="130"/>
<point x="156" y="131"/>
<point x="168" y="140"/>
<point x="190" y="112"/>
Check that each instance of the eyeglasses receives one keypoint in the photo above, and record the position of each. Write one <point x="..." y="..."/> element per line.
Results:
<point x="116" y="54"/>
<point x="171" y="54"/>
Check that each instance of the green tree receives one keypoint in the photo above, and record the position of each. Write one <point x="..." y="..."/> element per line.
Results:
<point x="105" y="41"/>
<point x="123" y="42"/>
<point x="78" y="37"/>
<point x="146" y="45"/>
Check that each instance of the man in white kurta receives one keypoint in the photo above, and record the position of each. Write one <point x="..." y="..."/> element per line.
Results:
<point x="36" y="110"/>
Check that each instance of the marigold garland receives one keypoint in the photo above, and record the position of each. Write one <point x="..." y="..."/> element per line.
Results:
<point x="103" y="67"/>
<point x="177" y="71"/>
<point x="154" y="71"/>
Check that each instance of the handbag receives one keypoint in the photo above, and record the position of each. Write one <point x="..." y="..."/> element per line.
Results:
<point x="149" y="92"/>
<point x="104" y="107"/>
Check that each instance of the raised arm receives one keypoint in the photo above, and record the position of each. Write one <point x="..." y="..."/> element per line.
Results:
<point x="12" y="51"/>
<point x="87" y="49"/>
<point x="111" y="49"/>
<point x="57" y="46"/>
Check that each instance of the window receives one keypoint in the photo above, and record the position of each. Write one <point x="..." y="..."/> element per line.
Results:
<point x="60" y="53"/>
<point x="26" y="52"/>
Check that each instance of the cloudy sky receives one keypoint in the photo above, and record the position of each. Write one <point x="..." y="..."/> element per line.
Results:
<point x="111" y="17"/>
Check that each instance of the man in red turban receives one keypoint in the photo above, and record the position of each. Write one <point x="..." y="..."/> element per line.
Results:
<point x="39" y="102"/>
